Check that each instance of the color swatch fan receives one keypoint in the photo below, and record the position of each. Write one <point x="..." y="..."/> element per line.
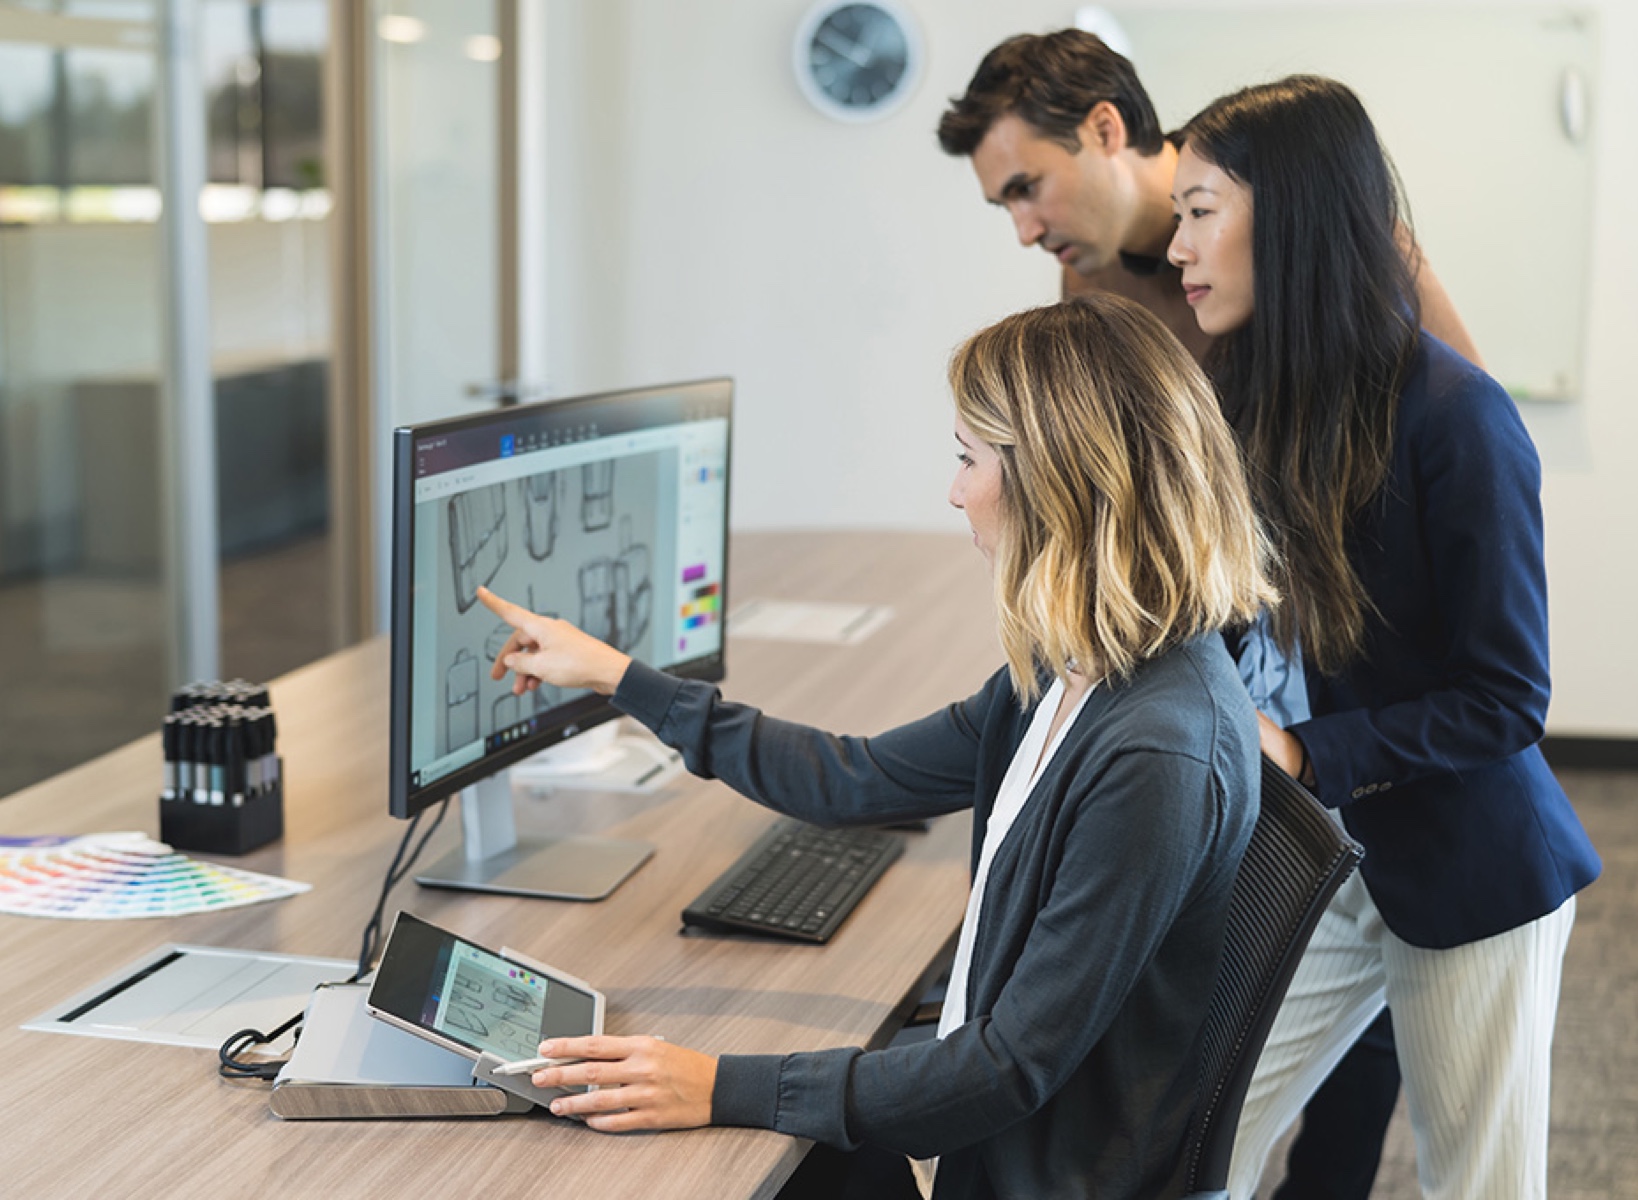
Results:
<point x="110" y="876"/>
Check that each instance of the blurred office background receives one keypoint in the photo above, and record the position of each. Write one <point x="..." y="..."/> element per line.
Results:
<point x="240" y="240"/>
<point x="85" y="474"/>
<point x="399" y="209"/>
<point x="188" y="467"/>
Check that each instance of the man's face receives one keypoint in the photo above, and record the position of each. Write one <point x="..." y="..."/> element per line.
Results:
<point x="1070" y="204"/>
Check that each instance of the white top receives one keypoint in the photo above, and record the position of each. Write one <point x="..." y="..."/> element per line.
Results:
<point x="1027" y="766"/>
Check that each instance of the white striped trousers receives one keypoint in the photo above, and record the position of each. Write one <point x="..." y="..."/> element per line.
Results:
<point x="1474" y="1028"/>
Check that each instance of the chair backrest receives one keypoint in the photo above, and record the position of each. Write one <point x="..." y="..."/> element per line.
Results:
<point x="1297" y="859"/>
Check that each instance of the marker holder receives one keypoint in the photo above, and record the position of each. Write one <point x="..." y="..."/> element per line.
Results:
<point x="224" y="828"/>
<point x="223" y="790"/>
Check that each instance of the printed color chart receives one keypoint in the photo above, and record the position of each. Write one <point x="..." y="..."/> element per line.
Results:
<point x="111" y="876"/>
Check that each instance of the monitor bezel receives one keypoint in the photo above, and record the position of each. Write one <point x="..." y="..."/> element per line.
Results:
<point x="568" y="719"/>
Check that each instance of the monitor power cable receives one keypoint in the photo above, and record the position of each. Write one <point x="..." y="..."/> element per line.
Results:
<point x="395" y="876"/>
<point x="231" y="1063"/>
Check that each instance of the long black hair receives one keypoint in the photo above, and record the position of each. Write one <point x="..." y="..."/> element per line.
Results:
<point x="1311" y="383"/>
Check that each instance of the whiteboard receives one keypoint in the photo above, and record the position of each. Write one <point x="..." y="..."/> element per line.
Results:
<point x="1470" y="103"/>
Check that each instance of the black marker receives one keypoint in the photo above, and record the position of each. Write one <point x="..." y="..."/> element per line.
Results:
<point x="167" y="739"/>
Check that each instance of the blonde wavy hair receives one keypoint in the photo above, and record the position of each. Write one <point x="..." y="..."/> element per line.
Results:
<point x="1126" y="522"/>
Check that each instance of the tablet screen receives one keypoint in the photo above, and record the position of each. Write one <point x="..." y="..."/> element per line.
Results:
<point x="466" y="994"/>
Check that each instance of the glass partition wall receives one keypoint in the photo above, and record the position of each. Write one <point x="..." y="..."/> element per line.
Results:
<point x="267" y="208"/>
<point x="439" y="71"/>
<point x="195" y="401"/>
<point x="84" y="637"/>
<point x="104" y="606"/>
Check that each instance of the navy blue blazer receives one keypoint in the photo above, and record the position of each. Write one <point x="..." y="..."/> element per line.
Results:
<point x="1428" y="742"/>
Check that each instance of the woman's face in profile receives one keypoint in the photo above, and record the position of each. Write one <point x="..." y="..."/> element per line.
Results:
<point x="1212" y="245"/>
<point x="976" y="489"/>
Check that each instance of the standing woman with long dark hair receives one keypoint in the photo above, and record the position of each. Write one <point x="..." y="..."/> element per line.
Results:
<point x="1405" y="677"/>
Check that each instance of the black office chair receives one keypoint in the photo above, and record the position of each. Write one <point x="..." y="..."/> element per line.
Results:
<point x="1297" y="859"/>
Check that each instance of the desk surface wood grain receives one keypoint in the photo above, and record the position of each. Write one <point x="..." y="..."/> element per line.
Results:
<point x="87" y="1116"/>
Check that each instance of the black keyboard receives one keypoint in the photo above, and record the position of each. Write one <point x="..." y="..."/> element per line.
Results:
<point x="797" y="881"/>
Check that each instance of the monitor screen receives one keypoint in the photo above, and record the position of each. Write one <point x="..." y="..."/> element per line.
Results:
<point x="610" y="511"/>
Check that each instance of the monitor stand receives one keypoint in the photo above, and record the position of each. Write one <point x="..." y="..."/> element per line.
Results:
<point x="492" y="858"/>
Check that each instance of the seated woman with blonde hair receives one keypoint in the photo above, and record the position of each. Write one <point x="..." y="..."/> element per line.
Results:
<point x="1111" y="766"/>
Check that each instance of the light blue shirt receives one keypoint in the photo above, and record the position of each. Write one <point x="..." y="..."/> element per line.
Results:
<point x="1275" y="681"/>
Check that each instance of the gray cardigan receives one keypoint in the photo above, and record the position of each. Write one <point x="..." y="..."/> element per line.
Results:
<point x="1096" y="949"/>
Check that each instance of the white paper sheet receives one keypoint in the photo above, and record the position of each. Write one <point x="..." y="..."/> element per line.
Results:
<point x="789" y="621"/>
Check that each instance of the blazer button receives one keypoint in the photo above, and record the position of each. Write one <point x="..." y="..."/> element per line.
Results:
<point x="1370" y="789"/>
<point x="1386" y="784"/>
<point x="1358" y="792"/>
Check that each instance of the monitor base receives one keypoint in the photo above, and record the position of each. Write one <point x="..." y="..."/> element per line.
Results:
<point x="566" y="868"/>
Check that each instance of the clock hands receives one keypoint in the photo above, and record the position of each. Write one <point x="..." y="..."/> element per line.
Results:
<point x="855" y="52"/>
<point x="855" y="59"/>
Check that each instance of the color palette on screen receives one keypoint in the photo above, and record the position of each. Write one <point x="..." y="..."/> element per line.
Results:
<point x="703" y="606"/>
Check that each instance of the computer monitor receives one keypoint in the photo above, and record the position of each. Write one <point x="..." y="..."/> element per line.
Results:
<point x="610" y="511"/>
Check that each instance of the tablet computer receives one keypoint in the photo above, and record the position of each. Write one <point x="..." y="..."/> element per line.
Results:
<point x="474" y="1000"/>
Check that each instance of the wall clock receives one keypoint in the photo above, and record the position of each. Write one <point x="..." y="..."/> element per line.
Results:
<point x="858" y="60"/>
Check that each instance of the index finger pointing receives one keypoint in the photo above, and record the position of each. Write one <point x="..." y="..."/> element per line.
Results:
<point x="513" y="614"/>
<point x="497" y="669"/>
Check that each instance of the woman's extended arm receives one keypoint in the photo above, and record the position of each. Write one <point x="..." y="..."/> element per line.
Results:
<point x="917" y="770"/>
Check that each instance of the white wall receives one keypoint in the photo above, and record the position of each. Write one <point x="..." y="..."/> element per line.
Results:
<point x="706" y="220"/>
<point x="1589" y="450"/>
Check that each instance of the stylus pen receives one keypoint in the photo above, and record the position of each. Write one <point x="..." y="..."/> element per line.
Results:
<point x="528" y="1066"/>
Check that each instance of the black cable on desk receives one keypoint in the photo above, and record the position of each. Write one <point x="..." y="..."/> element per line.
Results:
<point x="230" y="1066"/>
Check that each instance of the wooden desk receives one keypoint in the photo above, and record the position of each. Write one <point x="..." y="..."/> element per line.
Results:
<point x="87" y="1116"/>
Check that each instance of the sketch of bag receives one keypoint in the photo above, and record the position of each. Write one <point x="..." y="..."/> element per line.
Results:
<point x="539" y="514"/>
<point x="636" y="589"/>
<point x="503" y="714"/>
<point x="477" y="540"/>
<point x="461" y="701"/>
<point x="599" y="601"/>
<point x="617" y="598"/>
<point x="597" y="495"/>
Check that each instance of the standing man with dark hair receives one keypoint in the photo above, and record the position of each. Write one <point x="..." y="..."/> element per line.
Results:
<point x="1063" y="136"/>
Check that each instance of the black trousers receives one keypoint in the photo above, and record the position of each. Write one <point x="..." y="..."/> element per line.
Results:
<point x="867" y="1173"/>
